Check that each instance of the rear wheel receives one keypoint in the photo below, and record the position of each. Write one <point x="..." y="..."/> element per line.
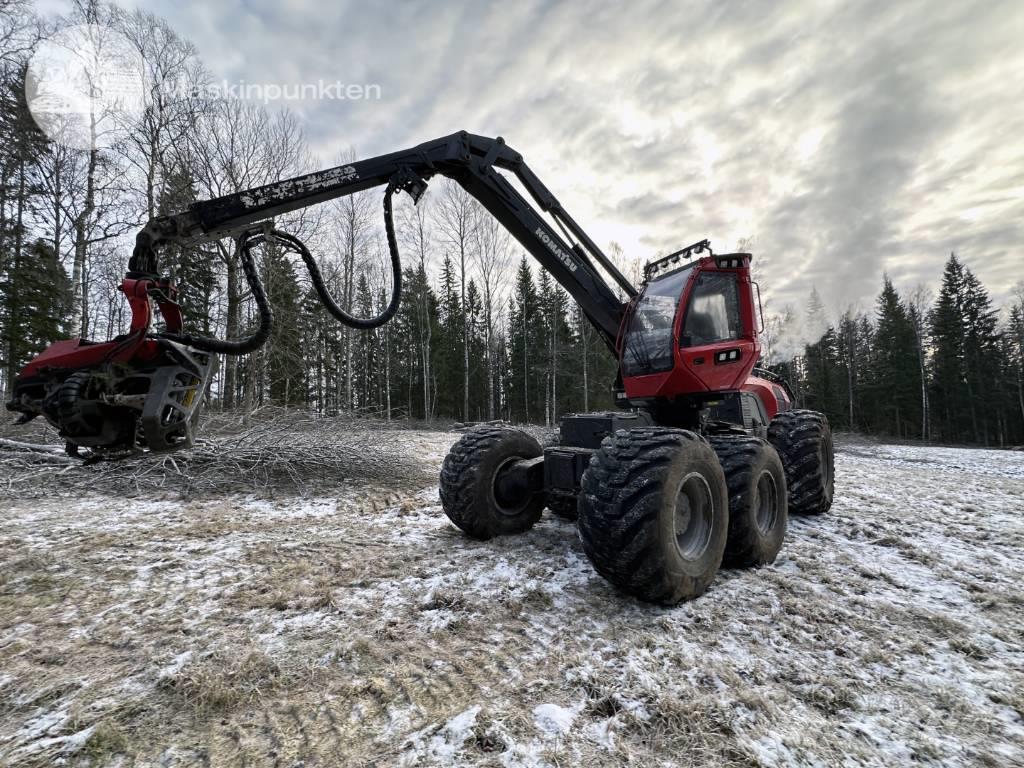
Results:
<point x="654" y="514"/>
<point x="804" y="442"/>
<point x="471" y="495"/>
<point x="757" y="499"/>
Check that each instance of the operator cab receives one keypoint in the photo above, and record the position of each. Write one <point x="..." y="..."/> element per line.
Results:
<point x="691" y="332"/>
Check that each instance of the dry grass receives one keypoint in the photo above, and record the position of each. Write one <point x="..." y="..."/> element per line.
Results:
<point x="359" y="628"/>
<point x="223" y="678"/>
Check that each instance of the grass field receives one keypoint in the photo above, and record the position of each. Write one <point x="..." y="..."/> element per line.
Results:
<point x="353" y="625"/>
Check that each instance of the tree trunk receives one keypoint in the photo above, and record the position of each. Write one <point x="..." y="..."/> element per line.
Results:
<point x="232" y="324"/>
<point x="490" y="360"/>
<point x="1020" y="394"/>
<point x="77" y="321"/>
<point x="554" y="359"/>
<point x="387" y="375"/>
<point x="465" y="333"/>
<point x="19" y="244"/>
<point x="526" y="369"/>
<point x="425" y="331"/>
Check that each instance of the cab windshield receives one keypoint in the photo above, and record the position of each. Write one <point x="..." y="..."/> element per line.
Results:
<point x="647" y="347"/>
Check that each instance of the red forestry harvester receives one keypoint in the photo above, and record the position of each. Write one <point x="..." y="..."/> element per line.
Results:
<point x="701" y="465"/>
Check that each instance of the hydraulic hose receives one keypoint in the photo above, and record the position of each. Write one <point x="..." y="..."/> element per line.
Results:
<point x="246" y="242"/>
<point x="254" y="237"/>
<point x="363" y="323"/>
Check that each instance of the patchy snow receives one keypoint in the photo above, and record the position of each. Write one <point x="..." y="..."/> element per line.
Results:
<point x="440" y="745"/>
<point x="360" y="627"/>
<point x="554" y="720"/>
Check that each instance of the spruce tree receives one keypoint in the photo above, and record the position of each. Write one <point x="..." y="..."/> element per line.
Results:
<point x="34" y="297"/>
<point x="949" y="369"/>
<point x="822" y="381"/>
<point x="191" y="268"/>
<point x="448" y="360"/>
<point x="412" y="328"/>
<point x="477" y="340"/>
<point x="282" y="357"/>
<point x="981" y="358"/>
<point x="1013" y="376"/>
<point x="525" y="348"/>
<point x="895" y="377"/>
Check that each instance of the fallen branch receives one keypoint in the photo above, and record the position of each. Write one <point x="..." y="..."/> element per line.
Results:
<point x="33" y="447"/>
<point x="290" y="452"/>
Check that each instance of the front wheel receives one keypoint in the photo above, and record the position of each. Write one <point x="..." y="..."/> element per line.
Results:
<point x="470" y="492"/>
<point x="654" y="514"/>
<point x="804" y="442"/>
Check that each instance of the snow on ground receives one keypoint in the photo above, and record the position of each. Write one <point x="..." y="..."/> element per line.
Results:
<point x="358" y="627"/>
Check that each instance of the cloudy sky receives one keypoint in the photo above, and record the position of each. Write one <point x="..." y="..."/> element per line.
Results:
<point x="846" y="138"/>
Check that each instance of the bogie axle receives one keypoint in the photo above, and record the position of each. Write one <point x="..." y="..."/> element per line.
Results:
<point x="658" y="509"/>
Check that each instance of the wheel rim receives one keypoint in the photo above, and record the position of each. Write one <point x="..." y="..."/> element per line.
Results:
<point x="766" y="503"/>
<point x="694" y="516"/>
<point x="504" y="505"/>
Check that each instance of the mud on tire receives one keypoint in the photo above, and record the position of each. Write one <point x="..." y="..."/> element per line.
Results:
<point x="756" y="482"/>
<point x="804" y="442"/>
<point x="653" y="515"/>
<point x="467" y="483"/>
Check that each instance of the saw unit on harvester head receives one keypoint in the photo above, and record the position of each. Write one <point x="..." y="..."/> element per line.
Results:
<point x="701" y="465"/>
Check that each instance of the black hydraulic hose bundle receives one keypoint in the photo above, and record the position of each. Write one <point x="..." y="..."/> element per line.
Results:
<point x="325" y="295"/>
<point x="255" y="237"/>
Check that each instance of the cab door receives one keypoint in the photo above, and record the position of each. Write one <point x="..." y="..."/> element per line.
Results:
<point x="717" y="337"/>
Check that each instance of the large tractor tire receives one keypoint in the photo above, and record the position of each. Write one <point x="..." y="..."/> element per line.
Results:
<point x="470" y="494"/>
<point x="654" y="513"/>
<point x="804" y="442"/>
<point x="757" y="499"/>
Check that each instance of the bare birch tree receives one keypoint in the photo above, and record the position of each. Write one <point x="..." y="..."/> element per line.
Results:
<point x="492" y="256"/>
<point x="417" y="235"/>
<point x="353" y="218"/>
<point x="456" y="221"/>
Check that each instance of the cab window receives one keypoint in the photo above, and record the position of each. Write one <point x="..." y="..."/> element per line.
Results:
<point x="649" y="346"/>
<point x="714" y="311"/>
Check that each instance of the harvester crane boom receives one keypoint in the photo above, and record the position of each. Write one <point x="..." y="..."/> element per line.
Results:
<point x="469" y="160"/>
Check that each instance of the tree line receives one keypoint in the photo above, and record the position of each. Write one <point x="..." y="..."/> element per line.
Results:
<point x="481" y="334"/>
<point x="949" y="370"/>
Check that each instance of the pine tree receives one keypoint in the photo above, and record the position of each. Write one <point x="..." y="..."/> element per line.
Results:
<point x="416" y="323"/>
<point x="820" y="379"/>
<point x="22" y="146"/>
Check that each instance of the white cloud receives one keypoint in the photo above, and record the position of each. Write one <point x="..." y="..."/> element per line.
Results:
<point x="847" y="138"/>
